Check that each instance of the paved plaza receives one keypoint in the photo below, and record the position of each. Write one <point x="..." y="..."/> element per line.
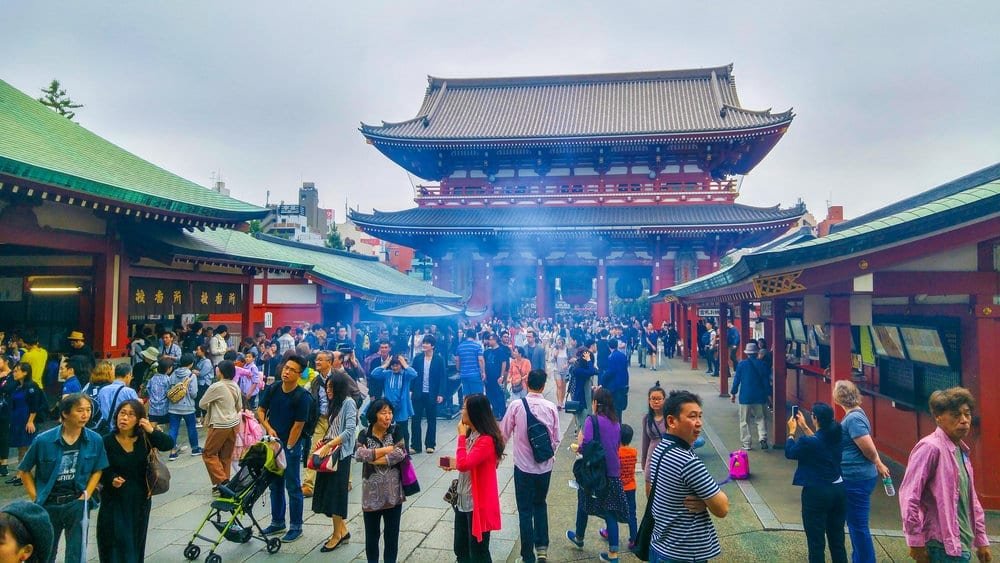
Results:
<point x="763" y="524"/>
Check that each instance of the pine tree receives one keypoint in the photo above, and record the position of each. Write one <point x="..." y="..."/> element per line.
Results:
<point x="333" y="239"/>
<point x="56" y="98"/>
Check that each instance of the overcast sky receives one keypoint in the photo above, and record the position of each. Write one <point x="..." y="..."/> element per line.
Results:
<point x="891" y="98"/>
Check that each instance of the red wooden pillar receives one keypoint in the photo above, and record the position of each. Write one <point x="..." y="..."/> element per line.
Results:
<point x="987" y="394"/>
<point x="681" y="327"/>
<point x="443" y="274"/>
<point x="121" y="339"/>
<point x="542" y="291"/>
<point x="246" y="322"/>
<point x="692" y="314"/>
<point x="746" y="328"/>
<point x="602" y="288"/>
<point x="487" y="283"/>
<point x="723" y="351"/>
<point x="776" y="338"/>
<point x="355" y="311"/>
<point x="840" y="344"/>
<point x="109" y="341"/>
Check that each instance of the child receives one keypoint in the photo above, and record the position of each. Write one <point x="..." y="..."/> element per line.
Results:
<point x="628" y="456"/>
<point x="155" y="390"/>
<point x="183" y="410"/>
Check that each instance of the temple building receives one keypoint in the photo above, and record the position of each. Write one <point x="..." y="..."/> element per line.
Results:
<point x="902" y="300"/>
<point x="547" y="193"/>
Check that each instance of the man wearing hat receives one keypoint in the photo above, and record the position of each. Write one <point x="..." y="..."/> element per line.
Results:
<point x="37" y="540"/>
<point x="79" y="347"/>
<point x="753" y="383"/>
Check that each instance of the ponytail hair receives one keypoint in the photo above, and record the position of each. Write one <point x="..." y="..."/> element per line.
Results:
<point x="832" y="430"/>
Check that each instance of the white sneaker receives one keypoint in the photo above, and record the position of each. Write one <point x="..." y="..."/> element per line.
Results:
<point x="198" y="424"/>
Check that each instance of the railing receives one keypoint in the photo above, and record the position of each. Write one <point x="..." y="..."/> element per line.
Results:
<point x="452" y="194"/>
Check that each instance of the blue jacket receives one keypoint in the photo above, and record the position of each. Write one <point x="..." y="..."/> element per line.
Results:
<point x="615" y="375"/>
<point x="819" y="459"/>
<point x="396" y="390"/>
<point x="45" y="456"/>
<point x="752" y="381"/>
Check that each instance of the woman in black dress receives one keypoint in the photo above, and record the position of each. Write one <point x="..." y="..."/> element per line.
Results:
<point x="125" y="498"/>
<point x="330" y="496"/>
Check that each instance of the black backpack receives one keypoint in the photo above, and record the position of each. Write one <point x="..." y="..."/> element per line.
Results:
<point x="312" y="415"/>
<point x="591" y="470"/>
<point x="104" y="424"/>
<point x="538" y="436"/>
<point x="91" y="392"/>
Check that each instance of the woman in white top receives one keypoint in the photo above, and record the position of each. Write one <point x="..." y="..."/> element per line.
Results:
<point x="560" y="357"/>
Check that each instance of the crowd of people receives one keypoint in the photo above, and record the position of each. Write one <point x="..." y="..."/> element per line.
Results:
<point x="371" y="396"/>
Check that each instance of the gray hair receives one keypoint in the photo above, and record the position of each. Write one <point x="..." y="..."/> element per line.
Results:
<point x="846" y="394"/>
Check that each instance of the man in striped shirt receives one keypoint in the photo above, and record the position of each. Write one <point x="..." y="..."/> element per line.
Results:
<point x="683" y="493"/>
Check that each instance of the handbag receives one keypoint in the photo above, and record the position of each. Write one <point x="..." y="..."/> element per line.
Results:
<point x="451" y="495"/>
<point x="644" y="535"/>
<point x="157" y="474"/>
<point x="323" y="463"/>
<point x="572" y="407"/>
<point x="408" y="477"/>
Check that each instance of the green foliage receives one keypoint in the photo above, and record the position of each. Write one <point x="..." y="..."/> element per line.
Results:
<point x="56" y="98"/>
<point x="255" y="227"/>
<point x="333" y="239"/>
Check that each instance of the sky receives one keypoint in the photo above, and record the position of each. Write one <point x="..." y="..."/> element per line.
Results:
<point x="891" y="98"/>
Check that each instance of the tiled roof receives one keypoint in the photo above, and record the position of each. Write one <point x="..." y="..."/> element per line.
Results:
<point x="638" y="103"/>
<point x="933" y="211"/>
<point x="39" y="145"/>
<point x="977" y="178"/>
<point x="360" y="273"/>
<point x="583" y="219"/>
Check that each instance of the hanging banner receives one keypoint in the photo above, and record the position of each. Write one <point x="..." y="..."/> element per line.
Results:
<point x="216" y="298"/>
<point x="149" y="297"/>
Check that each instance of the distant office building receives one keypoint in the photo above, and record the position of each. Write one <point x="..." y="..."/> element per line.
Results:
<point x="290" y="222"/>
<point x="316" y="216"/>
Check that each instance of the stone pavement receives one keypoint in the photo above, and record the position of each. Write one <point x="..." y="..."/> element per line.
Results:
<point x="763" y="523"/>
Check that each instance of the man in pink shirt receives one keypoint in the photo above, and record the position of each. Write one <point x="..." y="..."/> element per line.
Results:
<point x="531" y="478"/>
<point x="942" y="517"/>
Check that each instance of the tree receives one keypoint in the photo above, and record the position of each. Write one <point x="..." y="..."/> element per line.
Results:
<point x="255" y="227"/>
<point x="333" y="239"/>
<point x="56" y="98"/>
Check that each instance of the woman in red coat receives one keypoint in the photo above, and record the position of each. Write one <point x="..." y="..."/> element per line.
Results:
<point x="480" y="449"/>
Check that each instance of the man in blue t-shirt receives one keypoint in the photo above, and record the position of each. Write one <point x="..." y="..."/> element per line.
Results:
<point x="282" y="412"/>
<point x="470" y="364"/>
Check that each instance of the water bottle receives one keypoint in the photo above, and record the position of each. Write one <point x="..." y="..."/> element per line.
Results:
<point x="890" y="490"/>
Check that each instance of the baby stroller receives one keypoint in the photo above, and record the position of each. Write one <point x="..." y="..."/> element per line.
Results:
<point x="258" y="467"/>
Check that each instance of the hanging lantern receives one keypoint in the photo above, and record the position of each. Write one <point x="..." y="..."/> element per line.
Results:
<point x="576" y="290"/>
<point x="628" y="287"/>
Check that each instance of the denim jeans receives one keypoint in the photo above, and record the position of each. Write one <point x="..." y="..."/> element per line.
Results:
<point x="530" y="491"/>
<point x="189" y="421"/>
<point x="292" y="483"/>
<point x="633" y="526"/>
<point x="472" y="386"/>
<point x="939" y="555"/>
<point x="824" y="511"/>
<point x="609" y="522"/>
<point x="67" y="517"/>
<point x="859" y="502"/>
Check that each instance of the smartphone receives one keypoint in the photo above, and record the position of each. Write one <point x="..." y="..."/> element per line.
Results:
<point x="444" y="462"/>
<point x="795" y="411"/>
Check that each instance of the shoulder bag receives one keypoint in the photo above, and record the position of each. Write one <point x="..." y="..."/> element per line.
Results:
<point x="644" y="535"/>
<point x="157" y="474"/>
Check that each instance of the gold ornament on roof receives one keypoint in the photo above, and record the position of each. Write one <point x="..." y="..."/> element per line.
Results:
<point x="779" y="284"/>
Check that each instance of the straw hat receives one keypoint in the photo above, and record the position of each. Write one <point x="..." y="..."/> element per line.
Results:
<point x="751" y="348"/>
<point x="75" y="335"/>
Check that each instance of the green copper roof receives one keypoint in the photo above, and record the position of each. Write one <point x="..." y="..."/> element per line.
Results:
<point x="355" y="272"/>
<point x="39" y="145"/>
<point x="925" y="216"/>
